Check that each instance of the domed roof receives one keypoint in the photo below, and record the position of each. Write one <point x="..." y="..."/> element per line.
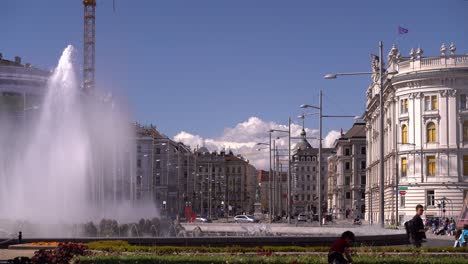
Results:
<point x="303" y="144"/>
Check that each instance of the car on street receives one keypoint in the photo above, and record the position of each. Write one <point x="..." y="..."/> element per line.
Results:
<point x="202" y="220"/>
<point x="245" y="219"/>
<point x="302" y="217"/>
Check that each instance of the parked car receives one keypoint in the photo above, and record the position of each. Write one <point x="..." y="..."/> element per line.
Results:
<point x="302" y="218"/>
<point x="202" y="220"/>
<point x="245" y="219"/>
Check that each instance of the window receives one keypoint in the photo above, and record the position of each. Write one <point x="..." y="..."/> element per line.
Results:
<point x="430" y="102"/>
<point x="138" y="148"/>
<point x="347" y="180"/>
<point x="363" y="150"/>
<point x="465" y="165"/>
<point x="430" y="197"/>
<point x="431" y="165"/>
<point x="363" y="179"/>
<point x="348" y="195"/>
<point x="465" y="131"/>
<point x="462" y="101"/>
<point x="308" y="197"/>
<point x="308" y="168"/>
<point x="158" y="164"/>
<point x="158" y="151"/>
<point x="404" y="106"/>
<point x="431" y="132"/>
<point x="363" y="164"/>
<point x="308" y="177"/>
<point x="404" y="134"/>
<point x="139" y="163"/>
<point x="347" y="152"/>
<point x="402" y="201"/>
<point x="404" y="164"/>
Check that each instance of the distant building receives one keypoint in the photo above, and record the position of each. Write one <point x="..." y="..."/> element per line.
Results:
<point x="184" y="182"/>
<point x="305" y="175"/>
<point x="22" y="88"/>
<point x="281" y="192"/>
<point x="347" y="173"/>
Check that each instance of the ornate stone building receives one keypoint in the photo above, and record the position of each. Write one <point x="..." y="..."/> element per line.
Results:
<point x="347" y="173"/>
<point x="426" y="135"/>
<point x="304" y="174"/>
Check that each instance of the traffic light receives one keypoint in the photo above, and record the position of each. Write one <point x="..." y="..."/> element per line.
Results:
<point x="443" y="204"/>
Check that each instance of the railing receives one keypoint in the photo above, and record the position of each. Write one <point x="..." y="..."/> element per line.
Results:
<point x="451" y="61"/>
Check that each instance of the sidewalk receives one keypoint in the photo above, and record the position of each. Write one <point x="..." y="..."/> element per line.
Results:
<point x="6" y="254"/>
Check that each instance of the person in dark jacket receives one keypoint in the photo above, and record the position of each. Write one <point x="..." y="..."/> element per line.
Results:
<point x="340" y="252"/>
<point x="418" y="233"/>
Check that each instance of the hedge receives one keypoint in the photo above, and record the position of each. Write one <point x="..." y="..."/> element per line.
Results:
<point x="124" y="246"/>
<point x="142" y="259"/>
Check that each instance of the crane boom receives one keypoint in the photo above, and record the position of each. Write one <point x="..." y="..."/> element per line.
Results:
<point x="89" y="45"/>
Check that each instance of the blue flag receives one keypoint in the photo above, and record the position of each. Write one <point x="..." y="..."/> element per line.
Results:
<point x="402" y="30"/>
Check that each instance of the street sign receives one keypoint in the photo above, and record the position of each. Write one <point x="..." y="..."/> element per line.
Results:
<point x="402" y="192"/>
<point x="403" y="188"/>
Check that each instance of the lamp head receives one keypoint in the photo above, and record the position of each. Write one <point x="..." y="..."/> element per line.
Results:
<point x="330" y="76"/>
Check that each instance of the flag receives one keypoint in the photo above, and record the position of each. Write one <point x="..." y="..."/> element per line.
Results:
<point x="402" y="30"/>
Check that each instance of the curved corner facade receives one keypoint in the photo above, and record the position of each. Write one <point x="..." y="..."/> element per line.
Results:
<point x="426" y="136"/>
<point x="21" y="86"/>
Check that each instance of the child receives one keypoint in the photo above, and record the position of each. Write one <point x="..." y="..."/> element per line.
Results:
<point x="340" y="252"/>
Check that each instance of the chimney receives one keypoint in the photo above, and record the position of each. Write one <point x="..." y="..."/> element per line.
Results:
<point x="18" y="59"/>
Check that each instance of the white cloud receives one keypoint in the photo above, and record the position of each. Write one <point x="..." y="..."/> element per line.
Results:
<point x="243" y="138"/>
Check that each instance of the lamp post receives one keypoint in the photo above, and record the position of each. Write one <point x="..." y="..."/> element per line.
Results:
<point x="319" y="178"/>
<point x="269" y="176"/>
<point x="381" y="125"/>
<point x="289" y="166"/>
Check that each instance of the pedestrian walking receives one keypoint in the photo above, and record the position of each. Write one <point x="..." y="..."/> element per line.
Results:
<point x="415" y="228"/>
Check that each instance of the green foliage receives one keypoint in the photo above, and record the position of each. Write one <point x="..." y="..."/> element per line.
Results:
<point x="264" y="259"/>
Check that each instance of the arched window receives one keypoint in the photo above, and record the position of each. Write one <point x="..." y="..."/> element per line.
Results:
<point x="465" y="131"/>
<point x="431" y="132"/>
<point x="404" y="134"/>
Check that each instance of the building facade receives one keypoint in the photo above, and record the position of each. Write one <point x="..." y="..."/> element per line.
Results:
<point x="182" y="182"/>
<point x="347" y="174"/>
<point x="22" y="88"/>
<point x="305" y="173"/>
<point x="425" y="132"/>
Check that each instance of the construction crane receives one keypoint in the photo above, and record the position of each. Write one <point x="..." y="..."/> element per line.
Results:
<point x="89" y="45"/>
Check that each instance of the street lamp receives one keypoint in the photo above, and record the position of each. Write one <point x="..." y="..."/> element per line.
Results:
<point x="289" y="167"/>
<point x="381" y="116"/>
<point x="319" y="184"/>
<point x="269" y="176"/>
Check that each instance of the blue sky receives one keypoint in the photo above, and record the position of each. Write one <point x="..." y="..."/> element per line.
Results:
<point x="206" y="65"/>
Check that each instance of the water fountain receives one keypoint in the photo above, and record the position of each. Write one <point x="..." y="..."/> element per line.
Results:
<point x="75" y="164"/>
